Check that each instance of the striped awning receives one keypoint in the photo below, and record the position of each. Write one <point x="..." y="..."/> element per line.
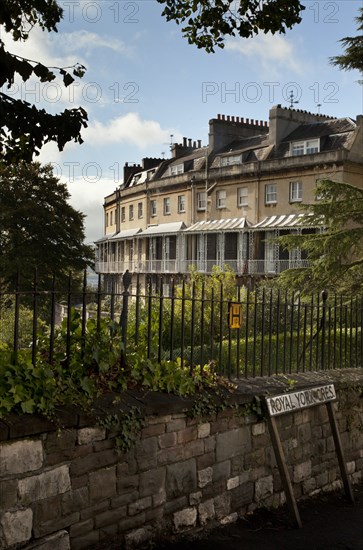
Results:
<point x="163" y="229"/>
<point x="126" y="234"/>
<point x="281" y="222"/>
<point x="105" y="238"/>
<point x="228" y="224"/>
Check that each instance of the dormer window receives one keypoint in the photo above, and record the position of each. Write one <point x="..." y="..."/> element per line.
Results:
<point x="135" y="179"/>
<point x="307" y="147"/>
<point x="176" y="169"/>
<point x="150" y="174"/>
<point x="231" y="160"/>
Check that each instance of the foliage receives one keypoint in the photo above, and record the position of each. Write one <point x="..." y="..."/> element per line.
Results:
<point x="128" y="426"/>
<point x="25" y="327"/>
<point x="202" y="307"/>
<point x="353" y="56"/>
<point x="24" y="387"/>
<point x="335" y="253"/>
<point x="45" y="232"/>
<point x="91" y="368"/>
<point x="93" y="365"/>
<point x="206" y="23"/>
<point x="24" y="128"/>
<point x="286" y="352"/>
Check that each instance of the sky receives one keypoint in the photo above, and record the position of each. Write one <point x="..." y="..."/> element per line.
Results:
<point x="146" y="87"/>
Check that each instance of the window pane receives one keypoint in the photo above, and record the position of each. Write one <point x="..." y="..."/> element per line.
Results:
<point x="312" y="146"/>
<point x="181" y="203"/>
<point x="167" y="205"/>
<point x="307" y="147"/>
<point x="242" y="196"/>
<point x="271" y="193"/>
<point x="221" y="199"/>
<point x="177" y="169"/>
<point x="201" y="201"/>
<point x="230" y="160"/>
<point x="295" y="191"/>
<point x="297" y="149"/>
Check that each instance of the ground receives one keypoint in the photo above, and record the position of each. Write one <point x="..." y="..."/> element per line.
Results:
<point x="329" y="523"/>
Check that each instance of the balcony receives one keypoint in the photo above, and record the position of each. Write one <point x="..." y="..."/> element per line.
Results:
<point x="245" y="267"/>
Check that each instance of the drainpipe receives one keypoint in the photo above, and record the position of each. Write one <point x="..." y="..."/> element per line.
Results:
<point x="190" y="238"/>
<point x="206" y="185"/>
<point x="192" y="188"/>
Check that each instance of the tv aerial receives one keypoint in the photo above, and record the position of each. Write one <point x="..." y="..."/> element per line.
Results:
<point x="171" y="143"/>
<point x="292" y="99"/>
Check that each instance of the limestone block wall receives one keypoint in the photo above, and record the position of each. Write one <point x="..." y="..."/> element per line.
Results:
<point x="70" y="489"/>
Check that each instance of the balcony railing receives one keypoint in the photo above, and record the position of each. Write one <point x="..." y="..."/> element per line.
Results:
<point x="246" y="267"/>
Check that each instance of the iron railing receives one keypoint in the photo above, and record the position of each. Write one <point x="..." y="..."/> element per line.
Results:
<point x="188" y="322"/>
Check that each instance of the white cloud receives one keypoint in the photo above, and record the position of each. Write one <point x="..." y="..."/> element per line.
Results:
<point x="41" y="46"/>
<point x="88" y="197"/>
<point x="61" y="50"/>
<point x="129" y="129"/>
<point x="87" y="41"/>
<point x="272" y="52"/>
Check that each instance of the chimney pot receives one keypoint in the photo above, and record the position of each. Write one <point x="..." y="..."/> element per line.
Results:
<point x="189" y="142"/>
<point x="222" y="117"/>
<point x="194" y="144"/>
<point x="247" y="120"/>
<point x="219" y="116"/>
<point x="232" y="118"/>
<point x="199" y="143"/>
<point x="227" y="118"/>
<point x="184" y="141"/>
<point x="242" y="120"/>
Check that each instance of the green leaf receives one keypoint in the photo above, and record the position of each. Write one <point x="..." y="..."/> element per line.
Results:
<point x="28" y="406"/>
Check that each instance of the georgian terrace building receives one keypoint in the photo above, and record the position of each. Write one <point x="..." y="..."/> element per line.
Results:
<point x="224" y="203"/>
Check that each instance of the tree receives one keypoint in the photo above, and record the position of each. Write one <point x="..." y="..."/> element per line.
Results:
<point x="209" y="22"/>
<point x="24" y="128"/>
<point x="38" y="228"/>
<point x="353" y="56"/>
<point x="335" y="252"/>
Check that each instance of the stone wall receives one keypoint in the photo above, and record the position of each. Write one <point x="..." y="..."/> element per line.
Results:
<point x="69" y="488"/>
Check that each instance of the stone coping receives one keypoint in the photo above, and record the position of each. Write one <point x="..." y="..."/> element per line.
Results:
<point x="159" y="404"/>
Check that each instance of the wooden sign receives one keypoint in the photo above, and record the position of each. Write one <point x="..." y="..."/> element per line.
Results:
<point x="293" y="401"/>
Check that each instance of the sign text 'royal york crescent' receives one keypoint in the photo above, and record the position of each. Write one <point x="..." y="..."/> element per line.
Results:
<point x="289" y="402"/>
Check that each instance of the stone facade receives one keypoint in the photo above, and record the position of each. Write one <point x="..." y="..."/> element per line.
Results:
<point x="70" y="489"/>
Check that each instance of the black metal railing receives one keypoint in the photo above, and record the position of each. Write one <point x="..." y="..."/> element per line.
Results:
<point x="188" y="322"/>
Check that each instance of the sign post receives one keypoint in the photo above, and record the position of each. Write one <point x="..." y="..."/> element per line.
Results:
<point x="291" y="402"/>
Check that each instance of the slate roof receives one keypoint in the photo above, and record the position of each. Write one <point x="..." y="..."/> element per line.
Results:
<point x="320" y="129"/>
<point x="333" y="134"/>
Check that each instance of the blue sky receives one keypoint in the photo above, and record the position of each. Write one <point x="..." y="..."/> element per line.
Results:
<point x="144" y="83"/>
